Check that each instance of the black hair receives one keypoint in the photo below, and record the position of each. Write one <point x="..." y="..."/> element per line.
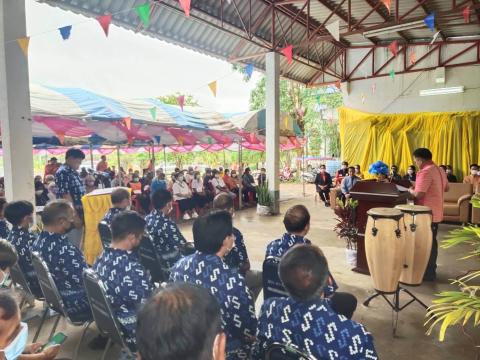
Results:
<point x="351" y="168"/>
<point x="118" y="195"/>
<point x="296" y="219"/>
<point x="443" y="167"/>
<point x="474" y="165"/>
<point x="449" y="167"/>
<point x="160" y="198"/>
<point x="3" y="202"/>
<point x="210" y="230"/>
<point x="303" y="271"/>
<point x="412" y="167"/>
<point x="263" y="169"/>
<point x="55" y="211"/>
<point x="357" y="166"/>
<point x="223" y="202"/>
<point x="226" y="171"/>
<point x="215" y="172"/>
<point x="322" y="166"/>
<point x="75" y="153"/>
<point x="126" y="223"/>
<point x="180" y="321"/>
<point x="423" y="153"/>
<point x="345" y="163"/>
<point x="394" y="166"/>
<point x="8" y="304"/>
<point x="8" y="255"/>
<point x="17" y="210"/>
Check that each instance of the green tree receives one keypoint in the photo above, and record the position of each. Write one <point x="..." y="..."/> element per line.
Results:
<point x="172" y="99"/>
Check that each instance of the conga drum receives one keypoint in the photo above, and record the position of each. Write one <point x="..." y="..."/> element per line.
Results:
<point x="418" y="242"/>
<point x="384" y="247"/>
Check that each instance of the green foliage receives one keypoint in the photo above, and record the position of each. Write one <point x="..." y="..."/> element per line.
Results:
<point x="345" y="227"/>
<point x="171" y="99"/>
<point x="263" y="195"/>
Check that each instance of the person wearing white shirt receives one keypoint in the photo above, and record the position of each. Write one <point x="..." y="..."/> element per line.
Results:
<point x="189" y="175"/>
<point x="198" y="191"/>
<point x="219" y="185"/>
<point x="183" y="196"/>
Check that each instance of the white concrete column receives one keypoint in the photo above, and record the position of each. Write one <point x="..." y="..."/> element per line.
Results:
<point x="15" y="113"/>
<point x="272" y="140"/>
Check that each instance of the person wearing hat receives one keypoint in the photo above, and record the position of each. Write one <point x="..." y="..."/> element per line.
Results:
<point x="51" y="167"/>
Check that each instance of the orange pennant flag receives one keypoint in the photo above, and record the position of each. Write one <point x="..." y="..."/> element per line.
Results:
<point x="285" y="122"/>
<point x="413" y="58"/>
<point x="180" y="140"/>
<point x="23" y="43"/>
<point x="128" y="122"/>
<point x="213" y="87"/>
<point x="388" y="4"/>
<point x="61" y="138"/>
<point x="338" y="85"/>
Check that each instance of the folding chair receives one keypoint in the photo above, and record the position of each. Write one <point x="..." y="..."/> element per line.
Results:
<point x="19" y="279"/>
<point x="53" y="298"/>
<point x="272" y="285"/>
<point x="152" y="261"/>
<point x="102" y="312"/>
<point x="277" y="351"/>
<point x="105" y="234"/>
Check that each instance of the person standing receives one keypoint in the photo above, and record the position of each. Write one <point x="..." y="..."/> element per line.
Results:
<point x="430" y="185"/>
<point x="102" y="165"/>
<point x="323" y="182"/>
<point x="52" y="167"/>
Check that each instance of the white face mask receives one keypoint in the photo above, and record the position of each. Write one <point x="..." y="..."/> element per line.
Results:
<point x="17" y="346"/>
<point x="39" y="192"/>
<point x="474" y="172"/>
<point x="449" y="171"/>
<point x="410" y="172"/>
<point x="6" y="281"/>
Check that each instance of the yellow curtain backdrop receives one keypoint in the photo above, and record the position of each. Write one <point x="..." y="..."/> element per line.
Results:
<point x="453" y="138"/>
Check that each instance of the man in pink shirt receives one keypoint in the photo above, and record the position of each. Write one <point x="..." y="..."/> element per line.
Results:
<point x="430" y="184"/>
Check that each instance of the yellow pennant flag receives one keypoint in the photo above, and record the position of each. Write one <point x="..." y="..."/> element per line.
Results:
<point x="23" y="43"/>
<point x="285" y="122"/>
<point x="213" y="87"/>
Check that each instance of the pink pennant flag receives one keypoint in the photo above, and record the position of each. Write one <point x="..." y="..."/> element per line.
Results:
<point x="413" y="58"/>
<point x="466" y="15"/>
<point x="105" y="21"/>
<point x="181" y="101"/>
<point x="128" y="122"/>
<point x="393" y="47"/>
<point x="185" y="4"/>
<point x="287" y="51"/>
<point x="130" y="139"/>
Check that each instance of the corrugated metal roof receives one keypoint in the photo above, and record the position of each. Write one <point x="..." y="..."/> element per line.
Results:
<point x="205" y="31"/>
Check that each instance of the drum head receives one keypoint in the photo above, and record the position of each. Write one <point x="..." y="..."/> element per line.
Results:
<point x="417" y="209"/>
<point x="385" y="213"/>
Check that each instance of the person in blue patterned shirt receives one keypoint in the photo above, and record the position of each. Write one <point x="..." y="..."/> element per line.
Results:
<point x="120" y="202"/>
<point x="213" y="238"/>
<point x="305" y="320"/>
<point x="4" y="230"/>
<point x="126" y="282"/>
<point x="20" y="215"/>
<point x="64" y="260"/>
<point x="167" y="238"/>
<point x="237" y="258"/>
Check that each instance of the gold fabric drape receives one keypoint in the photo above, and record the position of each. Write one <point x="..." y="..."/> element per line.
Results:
<point x="452" y="137"/>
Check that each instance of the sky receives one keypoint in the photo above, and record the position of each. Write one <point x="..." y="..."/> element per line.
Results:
<point x="126" y="65"/>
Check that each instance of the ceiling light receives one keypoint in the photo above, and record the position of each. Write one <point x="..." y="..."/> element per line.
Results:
<point x="443" y="91"/>
<point x="392" y="29"/>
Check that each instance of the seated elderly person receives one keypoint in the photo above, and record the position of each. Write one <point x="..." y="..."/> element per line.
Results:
<point x="328" y="335"/>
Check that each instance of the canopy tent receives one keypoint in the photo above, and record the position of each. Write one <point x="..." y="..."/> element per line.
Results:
<point x="452" y="138"/>
<point x="76" y="116"/>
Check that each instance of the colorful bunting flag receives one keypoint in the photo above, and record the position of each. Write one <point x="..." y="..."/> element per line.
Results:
<point x="143" y="12"/>
<point x="130" y="139"/>
<point x="388" y="4"/>
<point x="363" y="98"/>
<point x="285" y="122"/>
<point x="334" y="29"/>
<point x="430" y="21"/>
<point x="157" y="139"/>
<point x="180" y="140"/>
<point x="435" y="37"/>
<point x="23" y="43"/>
<point x="392" y="74"/>
<point x="61" y="137"/>
<point x="153" y="112"/>
<point x="105" y="21"/>
<point x="318" y="99"/>
<point x="287" y="51"/>
<point x="213" y="87"/>
<point x="181" y="101"/>
<point x="466" y="14"/>
<point x="127" y="122"/>
<point x="65" y="32"/>
<point x="249" y="70"/>
<point x="393" y="47"/>
<point x="185" y="4"/>
<point x="338" y="85"/>
<point x="413" y="58"/>
<point x="374" y="88"/>
<point x="209" y="140"/>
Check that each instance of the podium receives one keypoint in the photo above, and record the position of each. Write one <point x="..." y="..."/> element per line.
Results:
<point x="372" y="194"/>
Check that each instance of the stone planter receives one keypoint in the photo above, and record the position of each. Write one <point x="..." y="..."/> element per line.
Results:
<point x="263" y="210"/>
<point x="351" y="257"/>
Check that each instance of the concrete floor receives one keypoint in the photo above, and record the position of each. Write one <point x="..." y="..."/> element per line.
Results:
<point x="410" y="341"/>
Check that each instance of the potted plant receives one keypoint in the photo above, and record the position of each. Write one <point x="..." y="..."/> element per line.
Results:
<point x="460" y="307"/>
<point x="264" y="200"/>
<point x="346" y="229"/>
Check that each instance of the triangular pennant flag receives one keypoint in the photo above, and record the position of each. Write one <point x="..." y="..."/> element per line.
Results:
<point x="285" y="122"/>
<point x="213" y="87"/>
<point x="287" y="51"/>
<point x="185" y="4"/>
<point x="318" y="99"/>
<point x="65" y="32"/>
<point x="128" y="122"/>
<point x="158" y="139"/>
<point x="413" y="58"/>
<point x="392" y="73"/>
<point x="435" y="37"/>
<point x="374" y="88"/>
<point x="363" y="98"/>
<point x="130" y="139"/>
<point x="466" y="15"/>
<point x="393" y="47"/>
<point x="105" y="21"/>
<point x="181" y="101"/>
<point x="249" y="70"/>
<point x="61" y="137"/>
<point x="338" y="85"/>
<point x="430" y="21"/>
<point x="334" y="29"/>
<point x="143" y="12"/>
<point x="23" y="43"/>
<point x="180" y="140"/>
<point x="209" y="140"/>
<point x="388" y="4"/>
<point x="153" y="112"/>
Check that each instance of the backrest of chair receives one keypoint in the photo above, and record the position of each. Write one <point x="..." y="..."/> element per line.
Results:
<point x="105" y="234"/>
<point x="456" y="190"/>
<point x="19" y="279"/>
<point x="101" y="309"/>
<point x="278" y="351"/>
<point x="151" y="260"/>
<point x="272" y="286"/>
<point x="48" y="286"/>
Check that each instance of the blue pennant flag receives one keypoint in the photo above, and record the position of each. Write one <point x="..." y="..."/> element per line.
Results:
<point x="430" y="21"/>
<point x="157" y="139"/>
<point x="249" y="70"/>
<point x="65" y="32"/>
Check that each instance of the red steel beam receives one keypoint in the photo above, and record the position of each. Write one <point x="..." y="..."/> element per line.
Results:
<point x="390" y="60"/>
<point x="360" y="63"/>
<point x="424" y="56"/>
<point x="292" y="21"/>
<point x="453" y="57"/>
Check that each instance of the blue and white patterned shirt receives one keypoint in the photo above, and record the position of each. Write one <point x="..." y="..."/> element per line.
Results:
<point x="238" y="255"/>
<point x="23" y="240"/>
<point x="313" y="328"/>
<point x="166" y="236"/>
<point x="127" y="285"/>
<point x="110" y="215"/>
<point x="228" y="287"/>
<point x="4" y="230"/>
<point x="68" y="182"/>
<point x="66" y="263"/>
